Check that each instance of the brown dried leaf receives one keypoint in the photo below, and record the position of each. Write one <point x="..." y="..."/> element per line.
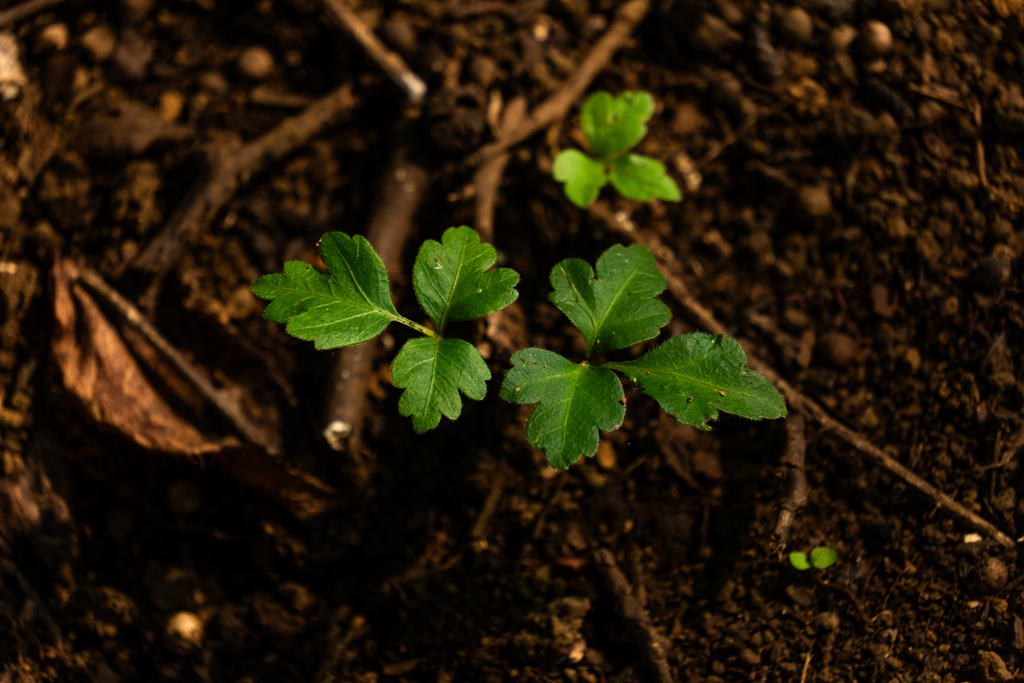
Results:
<point x="101" y="372"/>
<point x="301" y="494"/>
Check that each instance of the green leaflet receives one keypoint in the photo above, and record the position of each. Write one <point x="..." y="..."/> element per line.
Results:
<point x="694" y="376"/>
<point x="433" y="372"/>
<point x="347" y="306"/>
<point x="615" y="125"/>
<point x="642" y="179"/>
<point x="823" y="557"/>
<point x="452" y="280"/>
<point x="799" y="561"/>
<point x="583" y="177"/>
<point x="617" y="308"/>
<point x="574" y="401"/>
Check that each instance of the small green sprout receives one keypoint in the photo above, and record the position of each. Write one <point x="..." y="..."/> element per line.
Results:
<point x="822" y="557"/>
<point x="693" y="376"/>
<point x="613" y="126"/>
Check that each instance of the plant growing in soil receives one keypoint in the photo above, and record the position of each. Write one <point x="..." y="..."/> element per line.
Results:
<point x="612" y="127"/>
<point x="822" y="557"/>
<point x="692" y="376"/>
<point x="352" y="304"/>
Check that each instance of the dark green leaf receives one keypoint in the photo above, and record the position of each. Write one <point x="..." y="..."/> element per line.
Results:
<point x="693" y="376"/>
<point x="583" y="177"/>
<point x="615" y="125"/>
<point x="347" y="306"/>
<point x="617" y="308"/>
<point x="452" y="280"/>
<point x="642" y="179"/>
<point x="574" y="401"/>
<point x="432" y="372"/>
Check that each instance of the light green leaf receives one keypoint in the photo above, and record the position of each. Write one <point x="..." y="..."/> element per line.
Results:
<point x="799" y="560"/>
<point x="642" y="179"/>
<point x="583" y="177"/>
<point x="433" y="372"/>
<point x="823" y="557"/>
<point x="615" y="125"/>
<point x="617" y="308"/>
<point x="347" y="306"/>
<point x="452" y="280"/>
<point x="574" y="401"/>
<point x="693" y="376"/>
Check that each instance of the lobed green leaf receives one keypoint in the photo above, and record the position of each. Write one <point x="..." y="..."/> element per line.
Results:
<point x="583" y="177"/>
<point x="642" y="179"/>
<point x="347" y="306"/>
<point x="452" y="280"/>
<point x="617" y="308"/>
<point x="615" y="125"/>
<point x="574" y="401"/>
<point x="433" y="371"/>
<point x="694" y="376"/>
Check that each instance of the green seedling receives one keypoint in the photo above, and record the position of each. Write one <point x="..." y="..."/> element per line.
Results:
<point x="352" y="303"/>
<point x="692" y="376"/>
<point x="822" y="557"/>
<point x="613" y="126"/>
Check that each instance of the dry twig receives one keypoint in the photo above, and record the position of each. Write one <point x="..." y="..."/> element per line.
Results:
<point x="393" y="65"/>
<point x="479" y="531"/>
<point x="25" y="9"/>
<point x="620" y="222"/>
<point x="230" y="410"/>
<point x="796" y="496"/>
<point x="488" y="176"/>
<point x="400" y="196"/>
<point x="557" y="106"/>
<point x="655" y="645"/>
<point x="209" y="195"/>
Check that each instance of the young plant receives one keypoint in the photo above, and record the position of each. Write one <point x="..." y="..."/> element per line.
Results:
<point x="352" y="303"/>
<point x="693" y="376"/>
<point x="613" y="126"/>
<point x="822" y="557"/>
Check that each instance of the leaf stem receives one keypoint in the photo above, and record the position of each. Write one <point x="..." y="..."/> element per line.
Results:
<point x="425" y="331"/>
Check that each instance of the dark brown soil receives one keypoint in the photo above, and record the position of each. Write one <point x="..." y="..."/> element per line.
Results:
<point x="852" y="211"/>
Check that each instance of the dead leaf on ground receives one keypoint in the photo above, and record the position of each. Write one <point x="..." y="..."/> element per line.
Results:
<point x="101" y="372"/>
<point x="129" y="128"/>
<point x="303" y="495"/>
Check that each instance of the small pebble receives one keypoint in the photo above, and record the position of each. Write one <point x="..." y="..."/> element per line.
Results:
<point x="213" y="81"/>
<point x="136" y="9"/>
<point x="992" y="668"/>
<point x="1001" y="228"/>
<point x="133" y="55"/>
<point x="750" y="657"/>
<point x="172" y="103"/>
<point x="184" y="498"/>
<point x="606" y="455"/>
<point x="814" y="201"/>
<point x="12" y="74"/>
<point x="838" y="350"/>
<point x="912" y="358"/>
<point x="401" y="34"/>
<point x="183" y="633"/>
<point x="99" y="42"/>
<point x="994" y="272"/>
<point x="842" y="37"/>
<point x="53" y="37"/>
<point x="484" y="70"/>
<point x="730" y="11"/>
<point x="797" y="25"/>
<point x="828" y="621"/>
<point x="256" y="62"/>
<point x="875" y="38"/>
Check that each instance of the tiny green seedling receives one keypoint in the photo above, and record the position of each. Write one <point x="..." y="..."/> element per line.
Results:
<point x="692" y="376"/>
<point x="822" y="557"/>
<point x="613" y="126"/>
<point x="352" y="304"/>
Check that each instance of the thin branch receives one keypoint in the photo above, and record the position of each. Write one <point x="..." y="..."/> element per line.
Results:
<point x="25" y="9"/>
<point x="393" y="65"/>
<point x="557" y="106"/>
<point x="795" y="398"/>
<point x="230" y="171"/>
<point x="229" y="409"/>
<point x="796" y="496"/>
<point x="655" y="645"/>
<point x="400" y="196"/>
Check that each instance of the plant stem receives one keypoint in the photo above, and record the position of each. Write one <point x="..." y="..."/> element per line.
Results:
<point x="425" y="331"/>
